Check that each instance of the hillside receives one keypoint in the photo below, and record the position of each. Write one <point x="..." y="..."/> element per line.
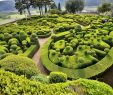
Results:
<point x="7" y="6"/>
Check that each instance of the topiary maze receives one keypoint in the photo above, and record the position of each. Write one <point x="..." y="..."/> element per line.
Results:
<point x="83" y="52"/>
<point x="18" y="43"/>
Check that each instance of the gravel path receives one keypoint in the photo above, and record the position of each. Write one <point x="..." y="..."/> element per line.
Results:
<point x="36" y="58"/>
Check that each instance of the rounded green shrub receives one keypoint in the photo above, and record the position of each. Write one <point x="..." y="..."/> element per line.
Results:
<point x="1" y="37"/>
<point x="13" y="49"/>
<point x="54" y="37"/>
<point x="24" y="42"/>
<point x="7" y="36"/>
<point x="57" y="77"/>
<point x="34" y="38"/>
<point x="74" y="42"/>
<point x="40" y="78"/>
<point x="19" y="65"/>
<point x="13" y="41"/>
<point x="15" y="35"/>
<point x="14" y="85"/>
<point x="22" y="36"/>
<point x="78" y="28"/>
<point x="68" y="50"/>
<point x="5" y="55"/>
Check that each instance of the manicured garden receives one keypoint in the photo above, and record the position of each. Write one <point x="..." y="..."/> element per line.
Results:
<point x="78" y="47"/>
<point x="81" y="50"/>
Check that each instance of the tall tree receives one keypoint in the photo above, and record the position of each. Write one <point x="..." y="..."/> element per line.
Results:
<point x="21" y="5"/>
<point x="104" y="7"/>
<point x="41" y="4"/>
<point x="74" y="6"/>
<point x="53" y="6"/>
<point x="59" y="6"/>
<point x="45" y="8"/>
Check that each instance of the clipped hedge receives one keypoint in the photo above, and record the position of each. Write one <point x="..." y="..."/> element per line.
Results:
<point x="31" y="51"/>
<point x="41" y="78"/>
<point x="94" y="70"/>
<point x="57" y="77"/>
<point x="45" y="36"/>
<point x="19" y="65"/>
<point x="11" y="84"/>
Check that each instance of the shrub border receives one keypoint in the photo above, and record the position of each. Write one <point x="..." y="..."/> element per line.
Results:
<point x="88" y="72"/>
<point x="40" y="36"/>
<point x="31" y="51"/>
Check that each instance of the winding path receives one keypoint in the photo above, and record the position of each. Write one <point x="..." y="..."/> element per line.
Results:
<point x="36" y="57"/>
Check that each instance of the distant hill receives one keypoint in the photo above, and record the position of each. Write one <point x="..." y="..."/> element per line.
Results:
<point x="96" y="2"/>
<point x="92" y="2"/>
<point x="8" y="5"/>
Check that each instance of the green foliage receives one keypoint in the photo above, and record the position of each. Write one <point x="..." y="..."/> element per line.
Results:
<point x="31" y="51"/>
<point x="40" y="78"/>
<point x="74" y="42"/>
<point x="1" y="36"/>
<point x="13" y="41"/>
<point x="55" y="11"/>
<point x="59" y="7"/>
<point x="59" y="44"/>
<point x="104" y="7"/>
<point x="91" y="48"/>
<point x="15" y="85"/>
<point x="22" y="36"/>
<point x="78" y="28"/>
<point x="92" y="87"/>
<point x="74" y="6"/>
<point x="34" y="39"/>
<point x="19" y="65"/>
<point x="14" y="49"/>
<point x="7" y="36"/>
<point x="57" y="77"/>
<point x="68" y="50"/>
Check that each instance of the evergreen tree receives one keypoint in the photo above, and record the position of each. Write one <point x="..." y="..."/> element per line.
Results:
<point x="59" y="7"/>
<point x="74" y="6"/>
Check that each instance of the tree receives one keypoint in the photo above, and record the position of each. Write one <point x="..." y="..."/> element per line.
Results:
<point x="40" y="4"/>
<point x="21" y="5"/>
<point x="104" y="8"/>
<point x="45" y="9"/>
<point x="59" y="6"/>
<point x="74" y="6"/>
<point x="53" y="6"/>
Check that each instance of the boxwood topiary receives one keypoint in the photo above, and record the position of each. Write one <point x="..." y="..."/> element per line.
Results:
<point x="13" y="41"/>
<point x="19" y="65"/>
<point x="76" y="68"/>
<point x="57" y="77"/>
<point x="68" y="50"/>
<point x="22" y="35"/>
<point x="40" y="78"/>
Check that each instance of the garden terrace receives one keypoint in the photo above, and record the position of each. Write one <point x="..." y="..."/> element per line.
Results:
<point x="80" y="50"/>
<point x="18" y="42"/>
<point x="21" y="36"/>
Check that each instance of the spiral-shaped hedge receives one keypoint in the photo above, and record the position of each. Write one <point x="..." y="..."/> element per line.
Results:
<point x="80" y="53"/>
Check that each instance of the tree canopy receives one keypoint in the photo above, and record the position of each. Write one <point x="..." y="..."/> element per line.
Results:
<point x="21" y="5"/>
<point x="104" y="7"/>
<point x="74" y="6"/>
